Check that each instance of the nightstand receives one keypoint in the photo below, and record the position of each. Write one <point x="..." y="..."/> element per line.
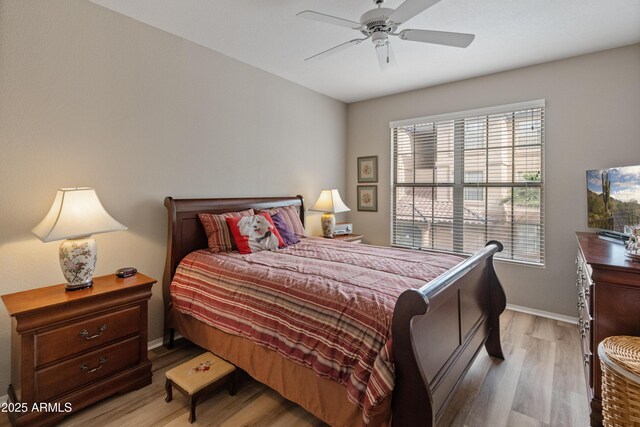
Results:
<point x="352" y="238"/>
<point x="71" y="349"/>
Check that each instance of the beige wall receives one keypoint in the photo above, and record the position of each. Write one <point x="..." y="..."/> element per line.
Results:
<point x="592" y="121"/>
<point x="91" y="98"/>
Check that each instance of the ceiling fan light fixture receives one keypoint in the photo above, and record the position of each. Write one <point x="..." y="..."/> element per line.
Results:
<point x="385" y="55"/>
<point x="379" y="38"/>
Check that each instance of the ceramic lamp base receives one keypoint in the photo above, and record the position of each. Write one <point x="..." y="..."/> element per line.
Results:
<point x="328" y="222"/>
<point x="78" y="262"/>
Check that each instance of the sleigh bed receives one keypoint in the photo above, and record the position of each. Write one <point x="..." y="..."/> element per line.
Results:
<point x="437" y="328"/>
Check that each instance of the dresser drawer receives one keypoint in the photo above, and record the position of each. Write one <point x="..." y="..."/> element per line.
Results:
<point x="85" y="334"/>
<point x="86" y="369"/>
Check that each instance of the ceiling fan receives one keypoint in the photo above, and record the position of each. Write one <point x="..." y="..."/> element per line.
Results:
<point x="380" y="23"/>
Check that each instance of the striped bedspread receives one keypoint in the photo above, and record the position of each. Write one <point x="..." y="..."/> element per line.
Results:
<point x="324" y="304"/>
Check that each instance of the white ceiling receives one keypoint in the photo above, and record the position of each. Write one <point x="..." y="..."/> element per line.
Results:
<point x="509" y="34"/>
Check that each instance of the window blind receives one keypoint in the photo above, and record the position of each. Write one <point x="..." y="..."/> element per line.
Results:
<point x="462" y="179"/>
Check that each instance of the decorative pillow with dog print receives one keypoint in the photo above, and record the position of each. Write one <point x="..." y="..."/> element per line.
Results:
<point x="255" y="233"/>
<point x="218" y="235"/>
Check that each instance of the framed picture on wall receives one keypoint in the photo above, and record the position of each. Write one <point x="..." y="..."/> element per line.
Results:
<point x="368" y="198"/>
<point x="368" y="169"/>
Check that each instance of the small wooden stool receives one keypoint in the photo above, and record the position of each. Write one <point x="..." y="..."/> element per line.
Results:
<point x="199" y="376"/>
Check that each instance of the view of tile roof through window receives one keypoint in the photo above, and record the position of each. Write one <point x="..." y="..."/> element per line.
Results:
<point x="462" y="182"/>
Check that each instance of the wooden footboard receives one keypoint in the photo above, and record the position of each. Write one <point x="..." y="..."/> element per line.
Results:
<point x="437" y="332"/>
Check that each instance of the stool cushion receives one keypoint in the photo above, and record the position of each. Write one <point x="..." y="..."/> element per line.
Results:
<point x="196" y="374"/>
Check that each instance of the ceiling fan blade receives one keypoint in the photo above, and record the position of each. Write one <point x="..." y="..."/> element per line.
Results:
<point x="322" y="17"/>
<point x="386" y="58"/>
<point x="409" y="9"/>
<point x="335" y="49"/>
<point x="437" y="37"/>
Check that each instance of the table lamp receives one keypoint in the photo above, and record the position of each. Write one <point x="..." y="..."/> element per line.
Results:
<point x="329" y="203"/>
<point x="75" y="215"/>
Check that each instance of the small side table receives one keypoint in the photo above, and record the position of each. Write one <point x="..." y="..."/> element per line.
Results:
<point x="351" y="238"/>
<point x="76" y="348"/>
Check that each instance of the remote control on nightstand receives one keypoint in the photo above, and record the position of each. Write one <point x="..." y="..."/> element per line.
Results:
<point x="126" y="272"/>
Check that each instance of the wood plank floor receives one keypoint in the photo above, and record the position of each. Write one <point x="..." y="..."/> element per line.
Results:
<point x="540" y="383"/>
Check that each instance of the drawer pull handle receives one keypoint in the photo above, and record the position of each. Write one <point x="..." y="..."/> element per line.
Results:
<point x="86" y="369"/>
<point x="84" y="333"/>
<point x="584" y="329"/>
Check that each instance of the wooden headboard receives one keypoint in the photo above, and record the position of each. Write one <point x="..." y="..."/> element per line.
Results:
<point x="186" y="233"/>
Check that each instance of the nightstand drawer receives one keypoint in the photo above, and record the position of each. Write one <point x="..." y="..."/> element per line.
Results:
<point x="85" y="334"/>
<point x="86" y="369"/>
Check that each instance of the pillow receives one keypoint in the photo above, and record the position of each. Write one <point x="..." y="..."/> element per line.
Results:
<point x="218" y="235"/>
<point x="290" y="217"/>
<point x="254" y="233"/>
<point x="288" y="237"/>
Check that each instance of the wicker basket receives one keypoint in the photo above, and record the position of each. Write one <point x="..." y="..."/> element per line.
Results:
<point x="620" y="362"/>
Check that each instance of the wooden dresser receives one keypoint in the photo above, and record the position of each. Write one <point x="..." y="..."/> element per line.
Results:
<point x="71" y="349"/>
<point x="608" y="287"/>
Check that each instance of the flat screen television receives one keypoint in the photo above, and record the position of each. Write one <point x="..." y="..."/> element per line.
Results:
<point x="613" y="198"/>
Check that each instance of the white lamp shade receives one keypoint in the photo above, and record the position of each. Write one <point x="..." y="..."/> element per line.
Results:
<point x="329" y="201"/>
<point x="76" y="212"/>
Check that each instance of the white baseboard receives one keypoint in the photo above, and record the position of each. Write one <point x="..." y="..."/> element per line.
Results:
<point x="158" y="342"/>
<point x="154" y="344"/>
<point x="541" y="313"/>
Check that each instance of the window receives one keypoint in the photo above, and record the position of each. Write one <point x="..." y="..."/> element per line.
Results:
<point x="473" y="193"/>
<point x="462" y="179"/>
